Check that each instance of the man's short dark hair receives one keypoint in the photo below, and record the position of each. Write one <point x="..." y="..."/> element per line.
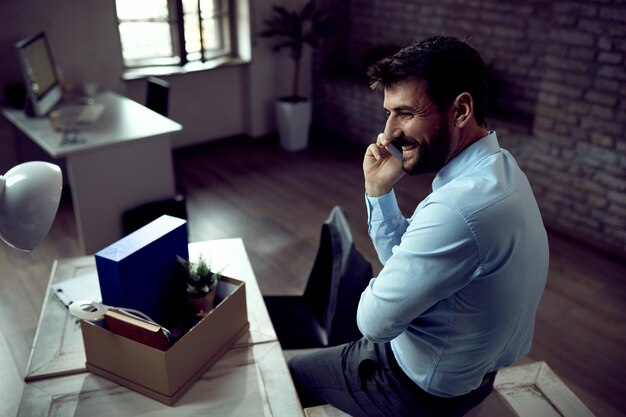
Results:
<point x="447" y="65"/>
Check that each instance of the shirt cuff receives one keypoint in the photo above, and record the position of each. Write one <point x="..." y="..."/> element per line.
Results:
<point x="381" y="207"/>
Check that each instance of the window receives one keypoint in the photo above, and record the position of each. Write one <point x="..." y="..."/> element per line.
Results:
<point x="174" y="32"/>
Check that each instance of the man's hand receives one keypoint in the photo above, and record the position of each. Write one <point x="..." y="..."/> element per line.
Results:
<point x="380" y="169"/>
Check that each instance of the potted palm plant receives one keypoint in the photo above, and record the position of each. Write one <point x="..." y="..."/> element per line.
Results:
<point x="200" y="283"/>
<point x="294" y="30"/>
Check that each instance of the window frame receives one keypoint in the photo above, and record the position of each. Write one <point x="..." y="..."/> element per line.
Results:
<point x="225" y="16"/>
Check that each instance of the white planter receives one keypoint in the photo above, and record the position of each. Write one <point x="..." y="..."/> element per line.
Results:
<point x="293" y="120"/>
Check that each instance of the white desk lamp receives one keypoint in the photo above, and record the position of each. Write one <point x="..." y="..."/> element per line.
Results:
<point x="29" y="198"/>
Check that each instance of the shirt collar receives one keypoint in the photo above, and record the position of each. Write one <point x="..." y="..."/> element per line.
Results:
<point x="470" y="156"/>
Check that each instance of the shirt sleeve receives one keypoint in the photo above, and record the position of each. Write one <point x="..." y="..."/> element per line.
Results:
<point x="435" y="257"/>
<point x="385" y="222"/>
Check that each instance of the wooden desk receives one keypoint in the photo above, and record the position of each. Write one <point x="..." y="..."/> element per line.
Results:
<point x="252" y="379"/>
<point x="124" y="160"/>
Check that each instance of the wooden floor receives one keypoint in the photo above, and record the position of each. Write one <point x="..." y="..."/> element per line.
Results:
<point x="276" y="201"/>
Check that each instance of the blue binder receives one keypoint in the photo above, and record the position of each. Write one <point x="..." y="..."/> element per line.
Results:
<point x="139" y="270"/>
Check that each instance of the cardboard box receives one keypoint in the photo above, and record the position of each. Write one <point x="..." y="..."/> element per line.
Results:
<point x="139" y="270"/>
<point x="166" y="375"/>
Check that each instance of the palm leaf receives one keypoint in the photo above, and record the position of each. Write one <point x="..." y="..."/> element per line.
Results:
<point x="308" y="10"/>
<point x="294" y="30"/>
<point x="280" y="11"/>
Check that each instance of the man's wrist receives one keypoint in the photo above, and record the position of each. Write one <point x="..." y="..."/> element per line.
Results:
<point x="373" y="190"/>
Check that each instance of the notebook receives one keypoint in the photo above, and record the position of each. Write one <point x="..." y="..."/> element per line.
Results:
<point x="135" y="328"/>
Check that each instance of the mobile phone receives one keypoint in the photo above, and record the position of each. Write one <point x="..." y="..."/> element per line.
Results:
<point x="395" y="150"/>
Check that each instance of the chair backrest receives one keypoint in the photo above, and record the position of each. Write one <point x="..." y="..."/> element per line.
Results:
<point x="157" y="95"/>
<point x="339" y="276"/>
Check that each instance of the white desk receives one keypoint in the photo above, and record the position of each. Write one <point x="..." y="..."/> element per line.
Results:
<point x="251" y="379"/>
<point x="125" y="160"/>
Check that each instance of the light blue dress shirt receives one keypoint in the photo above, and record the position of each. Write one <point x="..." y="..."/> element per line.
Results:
<point x="462" y="277"/>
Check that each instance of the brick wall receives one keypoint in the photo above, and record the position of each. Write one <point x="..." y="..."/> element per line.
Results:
<point x="558" y="88"/>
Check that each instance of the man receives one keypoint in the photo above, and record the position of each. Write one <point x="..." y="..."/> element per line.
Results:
<point x="462" y="277"/>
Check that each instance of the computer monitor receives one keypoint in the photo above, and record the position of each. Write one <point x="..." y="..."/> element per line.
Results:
<point x="43" y="88"/>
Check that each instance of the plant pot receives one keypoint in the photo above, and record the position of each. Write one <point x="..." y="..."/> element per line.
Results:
<point x="202" y="305"/>
<point x="293" y="119"/>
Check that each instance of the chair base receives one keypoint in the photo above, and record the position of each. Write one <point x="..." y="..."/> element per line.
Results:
<point x="138" y="217"/>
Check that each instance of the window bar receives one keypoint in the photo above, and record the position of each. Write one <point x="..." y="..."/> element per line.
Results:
<point x="180" y="25"/>
<point x="201" y="28"/>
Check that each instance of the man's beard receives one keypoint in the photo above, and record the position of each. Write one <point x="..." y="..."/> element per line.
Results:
<point x="431" y="155"/>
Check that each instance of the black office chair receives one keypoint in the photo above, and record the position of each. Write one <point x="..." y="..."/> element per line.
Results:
<point x="157" y="95"/>
<point x="325" y="315"/>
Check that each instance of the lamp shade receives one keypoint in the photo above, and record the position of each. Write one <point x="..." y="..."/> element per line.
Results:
<point x="29" y="198"/>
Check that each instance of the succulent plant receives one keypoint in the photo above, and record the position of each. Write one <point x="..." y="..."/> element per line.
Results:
<point x="199" y="278"/>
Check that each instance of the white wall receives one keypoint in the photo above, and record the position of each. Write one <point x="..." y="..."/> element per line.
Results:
<point x="210" y="104"/>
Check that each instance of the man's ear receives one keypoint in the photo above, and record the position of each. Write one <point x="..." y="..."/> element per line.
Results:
<point x="463" y="109"/>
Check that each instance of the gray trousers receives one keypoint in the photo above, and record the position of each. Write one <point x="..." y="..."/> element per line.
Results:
<point x="362" y="378"/>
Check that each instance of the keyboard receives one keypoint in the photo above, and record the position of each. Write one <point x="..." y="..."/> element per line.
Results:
<point x="90" y="113"/>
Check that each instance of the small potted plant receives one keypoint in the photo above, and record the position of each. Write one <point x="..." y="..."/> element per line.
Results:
<point x="200" y="283"/>
<point x="293" y="31"/>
